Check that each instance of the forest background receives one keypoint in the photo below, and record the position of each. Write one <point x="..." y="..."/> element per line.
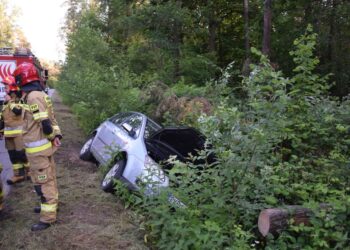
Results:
<point x="278" y="119"/>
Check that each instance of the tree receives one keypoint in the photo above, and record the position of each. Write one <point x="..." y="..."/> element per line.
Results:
<point x="266" y="48"/>
<point x="10" y="34"/>
<point x="7" y="37"/>
<point x="175" y="40"/>
<point x="246" y="64"/>
<point x="74" y="8"/>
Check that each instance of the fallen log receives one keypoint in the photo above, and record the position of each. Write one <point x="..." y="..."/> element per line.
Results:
<point x="275" y="220"/>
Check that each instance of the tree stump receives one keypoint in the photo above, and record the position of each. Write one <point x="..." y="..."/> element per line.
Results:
<point x="275" y="220"/>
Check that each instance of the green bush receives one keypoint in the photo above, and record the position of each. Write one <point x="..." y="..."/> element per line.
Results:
<point x="197" y="69"/>
<point x="95" y="83"/>
<point x="182" y="89"/>
<point x="285" y="144"/>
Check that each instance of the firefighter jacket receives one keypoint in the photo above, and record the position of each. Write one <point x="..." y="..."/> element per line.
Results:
<point x="12" y="119"/>
<point x="38" y="109"/>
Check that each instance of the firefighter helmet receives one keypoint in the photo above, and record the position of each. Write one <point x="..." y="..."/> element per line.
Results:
<point x="8" y="80"/>
<point x="26" y="73"/>
<point x="13" y="88"/>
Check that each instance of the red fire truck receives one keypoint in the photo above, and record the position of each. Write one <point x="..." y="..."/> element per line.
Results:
<point x="10" y="58"/>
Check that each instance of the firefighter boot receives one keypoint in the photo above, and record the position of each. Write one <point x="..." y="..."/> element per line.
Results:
<point x="40" y="226"/>
<point x="37" y="210"/>
<point x="18" y="176"/>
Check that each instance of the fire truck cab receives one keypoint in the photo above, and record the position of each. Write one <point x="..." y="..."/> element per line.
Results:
<point x="10" y="58"/>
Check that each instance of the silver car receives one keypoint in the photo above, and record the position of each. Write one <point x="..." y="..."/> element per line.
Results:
<point x="141" y="145"/>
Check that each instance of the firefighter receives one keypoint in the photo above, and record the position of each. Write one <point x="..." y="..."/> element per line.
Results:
<point x="41" y="138"/>
<point x="13" y="126"/>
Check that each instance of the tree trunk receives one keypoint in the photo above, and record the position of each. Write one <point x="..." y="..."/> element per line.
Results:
<point x="275" y="220"/>
<point x="267" y="28"/>
<point x="332" y="49"/>
<point x="212" y="26"/>
<point x="332" y="5"/>
<point x="177" y="41"/>
<point x="246" y="28"/>
<point x="245" y="70"/>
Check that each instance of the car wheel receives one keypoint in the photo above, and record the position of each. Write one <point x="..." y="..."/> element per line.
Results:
<point x="85" y="152"/>
<point x="114" y="173"/>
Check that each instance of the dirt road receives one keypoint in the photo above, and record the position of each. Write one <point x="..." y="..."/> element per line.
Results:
<point x="88" y="218"/>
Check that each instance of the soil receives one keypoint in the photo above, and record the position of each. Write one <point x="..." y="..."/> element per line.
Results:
<point x="88" y="218"/>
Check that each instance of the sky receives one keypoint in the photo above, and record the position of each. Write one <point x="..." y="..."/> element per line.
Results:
<point x="40" y="21"/>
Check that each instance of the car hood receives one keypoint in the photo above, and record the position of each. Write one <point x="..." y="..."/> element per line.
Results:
<point x="185" y="140"/>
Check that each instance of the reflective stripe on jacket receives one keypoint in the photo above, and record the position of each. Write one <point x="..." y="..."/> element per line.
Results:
<point x="11" y="131"/>
<point x="37" y="146"/>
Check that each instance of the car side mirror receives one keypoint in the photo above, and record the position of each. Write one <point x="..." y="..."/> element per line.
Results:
<point x="129" y="129"/>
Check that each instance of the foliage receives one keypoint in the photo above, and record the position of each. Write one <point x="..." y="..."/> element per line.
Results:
<point x="95" y="86"/>
<point x="182" y="89"/>
<point x="273" y="148"/>
<point x="10" y="34"/>
<point x="278" y="136"/>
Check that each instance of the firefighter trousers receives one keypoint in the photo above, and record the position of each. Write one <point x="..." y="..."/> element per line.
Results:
<point x="43" y="175"/>
<point x="17" y="155"/>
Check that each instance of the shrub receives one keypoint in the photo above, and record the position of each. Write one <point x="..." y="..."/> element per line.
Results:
<point x="285" y="144"/>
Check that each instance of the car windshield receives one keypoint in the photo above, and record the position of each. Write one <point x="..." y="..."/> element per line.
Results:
<point x="119" y="118"/>
<point x="135" y="121"/>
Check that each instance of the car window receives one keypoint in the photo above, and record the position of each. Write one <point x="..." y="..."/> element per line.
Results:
<point x="119" y="118"/>
<point x="151" y="128"/>
<point x="135" y="122"/>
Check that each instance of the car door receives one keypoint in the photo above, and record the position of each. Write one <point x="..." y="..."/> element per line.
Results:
<point x="110" y="138"/>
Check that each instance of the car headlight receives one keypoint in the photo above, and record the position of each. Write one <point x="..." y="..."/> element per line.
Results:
<point x="152" y="172"/>
<point x="152" y="178"/>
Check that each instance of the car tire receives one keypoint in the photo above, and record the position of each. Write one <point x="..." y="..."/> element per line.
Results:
<point x="85" y="152"/>
<point x="115" y="172"/>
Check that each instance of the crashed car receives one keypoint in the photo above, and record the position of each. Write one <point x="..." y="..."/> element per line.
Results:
<point x="142" y="145"/>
